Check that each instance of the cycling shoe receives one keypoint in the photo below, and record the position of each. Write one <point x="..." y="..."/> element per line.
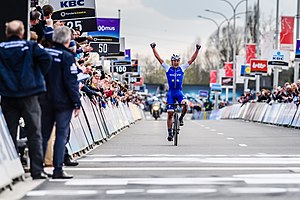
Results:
<point x="170" y="137"/>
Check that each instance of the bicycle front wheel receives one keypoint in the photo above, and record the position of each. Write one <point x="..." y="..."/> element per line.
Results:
<point x="175" y="129"/>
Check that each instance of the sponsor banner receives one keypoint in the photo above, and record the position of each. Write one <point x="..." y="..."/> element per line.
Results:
<point x="108" y="30"/>
<point x="127" y="54"/>
<point x="287" y="33"/>
<point x="250" y="52"/>
<point x="246" y="71"/>
<point x="203" y="93"/>
<point x="216" y="87"/>
<point x="73" y="9"/>
<point x="135" y="65"/>
<point x="213" y="76"/>
<point x="106" y="48"/>
<point x="297" y="53"/>
<point x="259" y="66"/>
<point x="121" y="66"/>
<point x="279" y="59"/>
<point x="228" y="66"/>
<point x="227" y="81"/>
<point x="240" y="60"/>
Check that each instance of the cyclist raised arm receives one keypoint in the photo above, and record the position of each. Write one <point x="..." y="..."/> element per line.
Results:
<point x="160" y="60"/>
<point x="195" y="54"/>
<point x="175" y="75"/>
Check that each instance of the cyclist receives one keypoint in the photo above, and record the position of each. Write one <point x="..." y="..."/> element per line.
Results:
<point x="175" y="75"/>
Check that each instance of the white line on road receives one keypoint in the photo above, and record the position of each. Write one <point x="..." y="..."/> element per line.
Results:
<point x="60" y="192"/>
<point x="227" y="160"/>
<point x="243" y="145"/>
<point x="181" y="191"/>
<point x="212" y="129"/>
<point x="220" y="133"/>
<point x="261" y="190"/>
<point x="184" y="168"/>
<point x="229" y="138"/>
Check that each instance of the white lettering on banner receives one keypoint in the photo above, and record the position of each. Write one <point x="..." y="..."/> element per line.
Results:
<point x="259" y="65"/>
<point x="106" y="28"/>
<point x="67" y="4"/>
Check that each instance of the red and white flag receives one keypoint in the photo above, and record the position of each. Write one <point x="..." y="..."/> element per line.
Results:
<point x="213" y="76"/>
<point x="287" y="33"/>
<point x="228" y="69"/>
<point x="250" y="52"/>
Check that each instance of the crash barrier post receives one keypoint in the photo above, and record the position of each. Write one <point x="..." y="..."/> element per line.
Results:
<point x="97" y="124"/>
<point x="10" y="164"/>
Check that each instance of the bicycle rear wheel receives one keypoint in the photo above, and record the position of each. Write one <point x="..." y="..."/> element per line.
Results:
<point x="175" y="129"/>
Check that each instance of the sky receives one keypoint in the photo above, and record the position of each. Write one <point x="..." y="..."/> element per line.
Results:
<point x="173" y="24"/>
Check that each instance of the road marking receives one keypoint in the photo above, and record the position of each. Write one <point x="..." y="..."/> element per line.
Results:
<point x="234" y="180"/>
<point x="181" y="168"/>
<point x="229" y="138"/>
<point x="243" y="145"/>
<point x="207" y="127"/>
<point x="212" y="129"/>
<point x="196" y="155"/>
<point x="151" y="181"/>
<point x="125" y="191"/>
<point x="260" y="190"/>
<point x="220" y="133"/>
<point x="222" y="159"/>
<point x="60" y="192"/>
<point x="181" y="191"/>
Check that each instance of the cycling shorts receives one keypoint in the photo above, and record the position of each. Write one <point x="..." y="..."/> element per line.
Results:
<point x="173" y="96"/>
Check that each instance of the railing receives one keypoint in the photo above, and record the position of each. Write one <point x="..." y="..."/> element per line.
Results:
<point x="93" y="126"/>
<point x="283" y="114"/>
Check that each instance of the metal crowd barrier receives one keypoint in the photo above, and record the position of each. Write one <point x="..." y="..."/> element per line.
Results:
<point x="97" y="124"/>
<point x="93" y="126"/>
<point x="10" y="165"/>
<point x="282" y="114"/>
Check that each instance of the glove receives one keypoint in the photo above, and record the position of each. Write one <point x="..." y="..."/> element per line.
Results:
<point x="198" y="46"/>
<point x="153" y="45"/>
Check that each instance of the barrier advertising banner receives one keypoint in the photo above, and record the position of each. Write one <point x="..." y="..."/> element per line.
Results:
<point x="213" y="76"/>
<point x="279" y="59"/>
<point x="228" y="69"/>
<point x="73" y="9"/>
<point x="227" y="81"/>
<point x="259" y="66"/>
<point x="250" y="52"/>
<point x="287" y="33"/>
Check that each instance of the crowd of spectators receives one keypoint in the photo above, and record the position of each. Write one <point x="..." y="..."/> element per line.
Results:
<point x="289" y="93"/>
<point x="98" y="85"/>
<point x="52" y="43"/>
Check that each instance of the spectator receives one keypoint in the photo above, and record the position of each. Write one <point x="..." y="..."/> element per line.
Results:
<point x="61" y="99"/>
<point x="21" y="81"/>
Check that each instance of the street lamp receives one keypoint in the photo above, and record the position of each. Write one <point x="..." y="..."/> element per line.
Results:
<point x="234" y="8"/>
<point x="218" y="54"/>
<point x="228" y="26"/>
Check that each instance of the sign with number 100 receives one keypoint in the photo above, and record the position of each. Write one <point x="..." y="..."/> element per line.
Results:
<point x="120" y="69"/>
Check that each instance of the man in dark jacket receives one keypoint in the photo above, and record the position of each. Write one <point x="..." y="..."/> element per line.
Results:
<point x="22" y="66"/>
<point x="61" y="99"/>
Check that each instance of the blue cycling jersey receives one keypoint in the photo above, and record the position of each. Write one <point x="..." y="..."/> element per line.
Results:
<point x="175" y="79"/>
<point x="175" y="76"/>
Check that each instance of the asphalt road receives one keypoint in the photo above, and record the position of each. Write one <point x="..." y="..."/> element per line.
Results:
<point x="226" y="159"/>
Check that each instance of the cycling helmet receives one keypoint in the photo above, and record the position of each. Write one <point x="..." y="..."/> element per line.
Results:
<point x="175" y="57"/>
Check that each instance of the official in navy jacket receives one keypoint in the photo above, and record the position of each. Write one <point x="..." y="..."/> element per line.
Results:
<point x="61" y="99"/>
<point x="22" y="66"/>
